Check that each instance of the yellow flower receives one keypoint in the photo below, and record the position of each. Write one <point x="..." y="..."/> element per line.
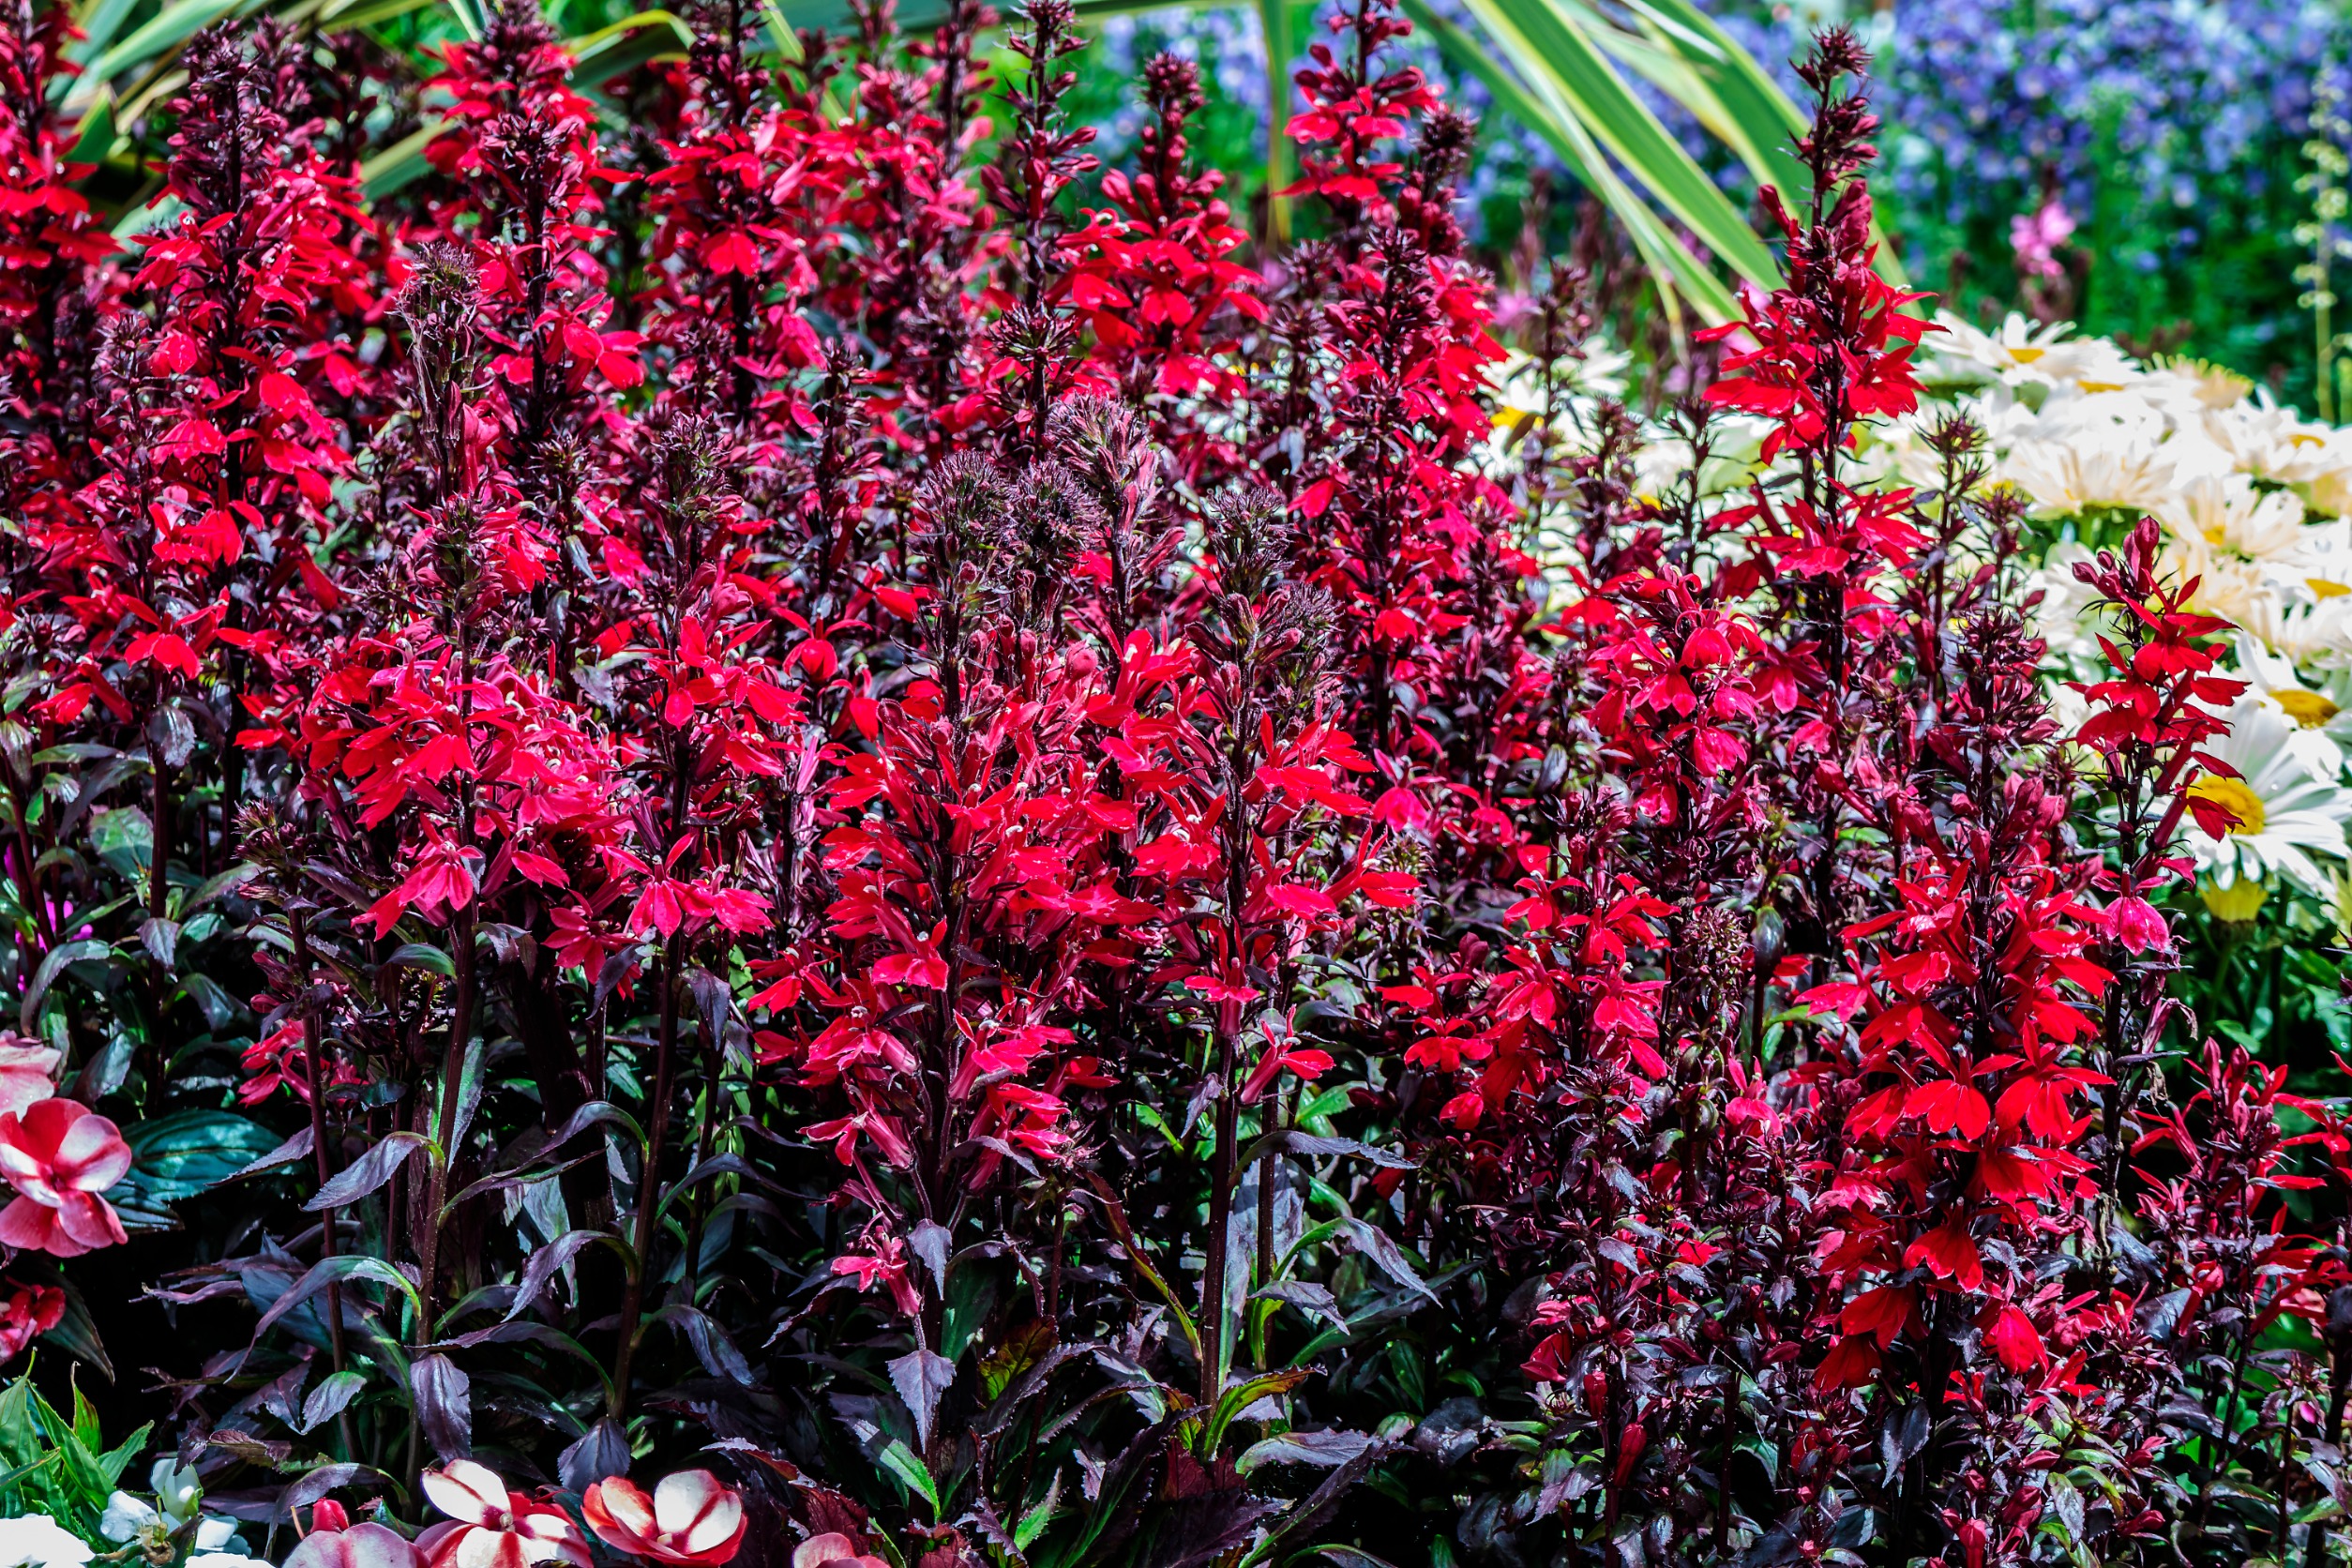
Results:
<point x="2283" y="815"/>
<point x="2236" y="904"/>
<point x="2309" y="709"/>
<point x="2231" y="794"/>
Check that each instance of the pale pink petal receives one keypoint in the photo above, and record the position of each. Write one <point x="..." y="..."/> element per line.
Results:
<point x="468" y="1492"/>
<point x="46" y="1125"/>
<point x="492" y="1549"/>
<point x="713" y="1528"/>
<point x="92" y="1156"/>
<point x="368" y="1546"/>
<point x="680" y="1500"/>
<point x="435" y="1544"/>
<point x="628" y="1508"/>
<point x="90" y="1220"/>
<point x="19" y="1162"/>
<point x="34" y="1227"/>
<point x="28" y="1076"/>
<point x="816" y="1550"/>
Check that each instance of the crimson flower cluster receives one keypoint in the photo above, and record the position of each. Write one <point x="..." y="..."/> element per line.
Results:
<point x="759" y="768"/>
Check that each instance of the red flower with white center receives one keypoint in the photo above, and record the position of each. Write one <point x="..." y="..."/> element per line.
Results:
<point x="368" y="1546"/>
<point x="692" y="1518"/>
<point x="489" y="1527"/>
<point x="59" y="1155"/>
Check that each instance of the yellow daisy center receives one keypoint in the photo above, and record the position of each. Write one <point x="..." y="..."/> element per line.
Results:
<point x="2238" y="903"/>
<point x="2101" y="385"/>
<point x="2306" y="708"/>
<point x="2232" y="796"/>
<point x="2025" y="354"/>
<point x="2323" y="588"/>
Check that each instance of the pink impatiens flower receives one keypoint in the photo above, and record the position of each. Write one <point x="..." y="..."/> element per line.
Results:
<point x="692" y="1520"/>
<point x="59" y="1155"/>
<point x="489" y="1527"/>
<point x="834" y="1548"/>
<point x="28" y="1072"/>
<point x="366" y="1545"/>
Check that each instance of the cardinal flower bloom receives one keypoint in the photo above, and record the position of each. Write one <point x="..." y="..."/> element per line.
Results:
<point x="489" y="1527"/>
<point x="59" y="1156"/>
<point x="691" y="1518"/>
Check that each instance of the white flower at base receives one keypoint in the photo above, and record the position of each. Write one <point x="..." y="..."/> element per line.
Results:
<point x="2285" y="815"/>
<point x="178" y="1495"/>
<point x="38" y="1540"/>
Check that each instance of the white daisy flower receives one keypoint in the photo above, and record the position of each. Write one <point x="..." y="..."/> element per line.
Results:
<point x="2276" y="444"/>
<point x="2070" y="475"/>
<point x="2184" y="388"/>
<point x="2019" y="353"/>
<point x="2067" y="618"/>
<point x="2227" y="516"/>
<point x="2312" y="628"/>
<point x="2283" y="815"/>
<point x="2321" y="712"/>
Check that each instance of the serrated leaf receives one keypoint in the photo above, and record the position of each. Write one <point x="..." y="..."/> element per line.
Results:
<point x="921" y="1376"/>
<point x="896" y="1458"/>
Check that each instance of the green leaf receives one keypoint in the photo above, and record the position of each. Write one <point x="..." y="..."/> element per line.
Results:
<point x="900" y="1461"/>
<point x="78" y="1336"/>
<point x="423" y="955"/>
<point x="98" y="21"/>
<point x="1551" y="42"/>
<point x="1761" y="125"/>
<point x="170" y="27"/>
<point x="616" y="50"/>
<point x="367" y="13"/>
<point x="1241" y="1397"/>
<point x="88" y="950"/>
<point x="1033" y="1524"/>
<point x="96" y="137"/>
<point x="1669" y="261"/>
<point x="213" y="887"/>
<point x="401" y="163"/>
<point x="176" y="1157"/>
<point x="1273" y="23"/>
